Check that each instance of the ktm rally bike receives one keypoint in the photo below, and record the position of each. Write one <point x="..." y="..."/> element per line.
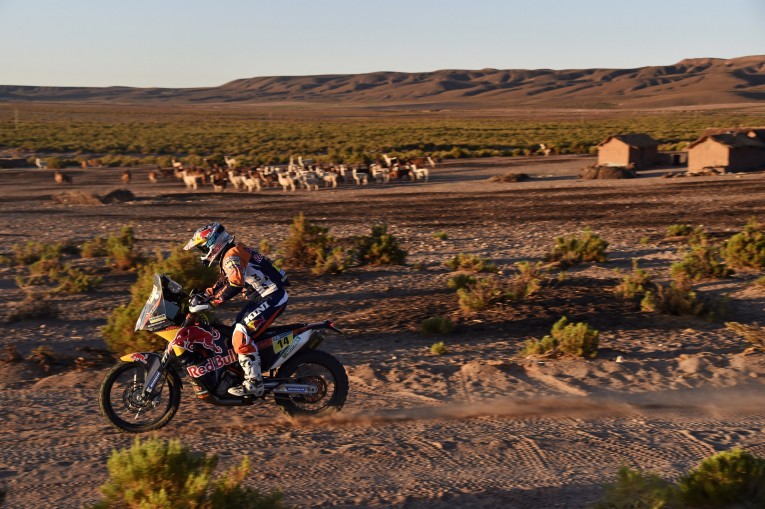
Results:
<point x="142" y="392"/>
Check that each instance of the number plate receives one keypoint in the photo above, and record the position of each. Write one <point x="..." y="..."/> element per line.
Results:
<point x="282" y="343"/>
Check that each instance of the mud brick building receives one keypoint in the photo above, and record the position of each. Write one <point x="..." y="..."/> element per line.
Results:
<point x="739" y="149"/>
<point x="636" y="150"/>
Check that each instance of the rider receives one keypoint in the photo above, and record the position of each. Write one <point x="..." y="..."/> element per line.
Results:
<point x="243" y="269"/>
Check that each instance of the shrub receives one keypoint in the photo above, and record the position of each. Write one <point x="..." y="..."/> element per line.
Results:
<point x="156" y="474"/>
<point x="470" y="263"/>
<point x="746" y="249"/>
<point x="701" y="260"/>
<point x="120" y="249"/>
<point x="441" y="236"/>
<point x="437" y="325"/>
<point x="438" y="348"/>
<point x="635" y="489"/>
<point x="633" y="284"/>
<point x="480" y="295"/>
<point x="577" y="339"/>
<point x="672" y="300"/>
<point x="461" y="281"/>
<point x="574" y="249"/>
<point x="379" y="248"/>
<point x="95" y="248"/>
<point x="73" y="280"/>
<point x="181" y="266"/>
<point x="307" y="244"/>
<point x="724" y="479"/>
<point x="752" y="333"/>
<point x="32" y="251"/>
<point x="679" y="230"/>
<point x="264" y="247"/>
<point x="527" y="282"/>
<point x="336" y="261"/>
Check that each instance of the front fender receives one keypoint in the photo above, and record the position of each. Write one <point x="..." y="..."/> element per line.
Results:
<point x="143" y="357"/>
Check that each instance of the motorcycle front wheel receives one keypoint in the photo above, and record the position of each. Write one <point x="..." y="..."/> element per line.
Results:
<point x="122" y="405"/>
<point x="316" y="368"/>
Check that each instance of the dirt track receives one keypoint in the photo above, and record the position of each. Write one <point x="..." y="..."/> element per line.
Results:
<point x="478" y="427"/>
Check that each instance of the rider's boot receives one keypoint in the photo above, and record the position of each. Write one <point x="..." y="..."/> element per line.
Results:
<point x="253" y="378"/>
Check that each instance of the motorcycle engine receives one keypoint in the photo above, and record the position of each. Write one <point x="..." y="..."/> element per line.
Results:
<point x="227" y="380"/>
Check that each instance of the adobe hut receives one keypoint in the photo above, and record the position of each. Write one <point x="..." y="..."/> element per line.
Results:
<point x="629" y="150"/>
<point x="732" y="150"/>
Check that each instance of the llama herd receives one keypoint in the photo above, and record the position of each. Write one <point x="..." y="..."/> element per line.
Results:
<point x="300" y="174"/>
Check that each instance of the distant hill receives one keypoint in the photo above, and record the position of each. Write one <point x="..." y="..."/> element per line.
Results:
<point x="700" y="81"/>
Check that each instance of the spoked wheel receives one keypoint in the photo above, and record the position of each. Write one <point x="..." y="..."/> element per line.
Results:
<point x="321" y="370"/>
<point x="122" y="405"/>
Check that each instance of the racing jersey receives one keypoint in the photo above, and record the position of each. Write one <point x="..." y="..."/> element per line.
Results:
<point x="245" y="270"/>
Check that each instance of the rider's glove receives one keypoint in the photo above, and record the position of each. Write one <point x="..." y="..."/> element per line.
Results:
<point x="199" y="302"/>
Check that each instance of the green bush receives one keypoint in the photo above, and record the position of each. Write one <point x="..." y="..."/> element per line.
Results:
<point x="436" y="325"/>
<point x="336" y="261"/>
<point x="439" y="348"/>
<point x="746" y="249"/>
<point x="679" y="230"/>
<point x="573" y="249"/>
<point x="635" y="489"/>
<point x="727" y="479"/>
<point x="308" y="245"/>
<point x="672" y="299"/>
<point x="480" y="295"/>
<point x="470" y="263"/>
<point x="441" y="235"/>
<point x="701" y="259"/>
<point x="461" y="281"/>
<point x="32" y="251"/>
<point x="577" y="339"/>
<point x="181" y="266"/>
<point x="634" y="284"/>
<point x="74" y="280"/>
<point x="752" y="333"/>
<point x="155" y="474"/>
<point x="120" y="249"/>
<point x="379" y="248"/>
<point x="526" y="282"/>
<point x="95" y="248"/>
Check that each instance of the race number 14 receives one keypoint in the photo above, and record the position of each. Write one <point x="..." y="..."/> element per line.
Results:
<point x="281" y="343"/>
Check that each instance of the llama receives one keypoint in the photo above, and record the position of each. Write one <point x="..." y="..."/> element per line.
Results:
<point x="218" y="181"/>
<point x="252" y="181"/>
<point x="153" y="177"/>
<point x="380" y="174"/>
<point x="191" y="181"/>
<point x="177" y="165"/>
<point x="42" y="165"/>
<point x="286" y="181"/>
<point x="236" y="180"/>
<point x="310" y="180"/>
<point x="360" y="177"/>
<point x="231" y="162"/>
<point x="126" y="177"/>
<point x="420" y="173"/>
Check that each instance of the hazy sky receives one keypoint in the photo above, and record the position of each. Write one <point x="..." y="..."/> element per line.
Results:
<point x="195" y="43"/>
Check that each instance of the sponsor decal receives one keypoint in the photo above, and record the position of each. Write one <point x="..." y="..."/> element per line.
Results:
<point x="139" y="357"/>
<point x="212" y="364"/>
<point x="190" y="337"/>
<point x="158" y="318"/>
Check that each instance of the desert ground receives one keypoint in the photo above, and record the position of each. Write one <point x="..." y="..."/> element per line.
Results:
<point x="479" y="426"/>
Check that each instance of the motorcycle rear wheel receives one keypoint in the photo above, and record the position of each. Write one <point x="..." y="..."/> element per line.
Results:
<point x="118" y="398"/>
<point x="320" y="369"/>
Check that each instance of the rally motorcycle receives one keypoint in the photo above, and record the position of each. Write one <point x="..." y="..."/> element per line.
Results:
<point x="142" y="392"/>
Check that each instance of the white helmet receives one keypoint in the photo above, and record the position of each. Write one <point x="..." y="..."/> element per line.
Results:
<point x="211" y="239"/>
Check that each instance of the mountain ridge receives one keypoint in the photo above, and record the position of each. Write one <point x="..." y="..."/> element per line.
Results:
<point x="691" y="81"/>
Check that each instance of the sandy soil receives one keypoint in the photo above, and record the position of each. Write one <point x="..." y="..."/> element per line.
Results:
<point x="477" y="427"/>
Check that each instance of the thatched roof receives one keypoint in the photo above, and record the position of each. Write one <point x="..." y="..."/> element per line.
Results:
<point x="732" y="140"/>
<point x="637" y="140"/>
